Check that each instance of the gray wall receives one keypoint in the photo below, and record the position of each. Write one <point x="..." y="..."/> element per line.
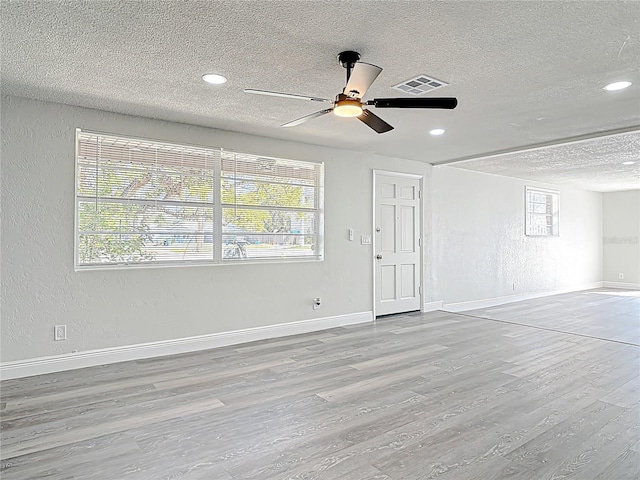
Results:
<point x="472" y="250"/>
<point x="479" y="247"/>
<point x="621" y="234"/>
<point x="120" y="307"/>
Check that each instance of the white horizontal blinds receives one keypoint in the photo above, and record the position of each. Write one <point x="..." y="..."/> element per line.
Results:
<point x="271" y="207"/>
<point x="143" y="202"/>
<point x="542" y="212"/>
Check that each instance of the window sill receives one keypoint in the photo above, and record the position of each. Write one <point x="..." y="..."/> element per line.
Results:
<point x="136" y="266"/>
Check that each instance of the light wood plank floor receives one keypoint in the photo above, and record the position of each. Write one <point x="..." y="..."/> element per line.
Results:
<point x="544" y="389"/>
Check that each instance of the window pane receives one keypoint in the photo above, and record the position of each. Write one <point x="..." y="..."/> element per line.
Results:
<point x="270" y="207"/>
<point x="239" y="220"/>
<point x="143" y="218"/>
<point x="542" y="212"/>
<point x="253" y="246"/>
<point x="539" y="208"/>
<point x="250" y="167"/>
<point x="122" y="232"/>
<point x="135" y="181"/>
<point x="244" y="192"/>
<point x="143" y="248"/>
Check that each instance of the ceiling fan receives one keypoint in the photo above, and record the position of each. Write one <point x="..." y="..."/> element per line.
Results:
<point x="349" y="103"/>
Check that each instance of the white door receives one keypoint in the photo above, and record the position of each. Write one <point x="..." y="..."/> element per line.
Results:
<point x="397" y="244"/>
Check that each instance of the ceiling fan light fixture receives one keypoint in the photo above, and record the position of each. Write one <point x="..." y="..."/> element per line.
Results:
<point x="347" y="107"/>
<point x="348" y="110"/>
<point x="616" y="86"/>
<point x="214" y="78"/>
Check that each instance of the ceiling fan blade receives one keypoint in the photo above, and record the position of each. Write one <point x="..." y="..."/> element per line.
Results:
<point x="362" y="76"/>
<point x="306" y="118"/>
<point x="286" y="95"/>
<point x="441" y="102"/>
<point x="374" y="121"/>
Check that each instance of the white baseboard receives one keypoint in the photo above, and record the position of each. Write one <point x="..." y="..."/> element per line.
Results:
<point x="492" y="302"/>
<point x="91" y="358"/>
<point x="431" y="306"/>
<point x="626" y="286"/>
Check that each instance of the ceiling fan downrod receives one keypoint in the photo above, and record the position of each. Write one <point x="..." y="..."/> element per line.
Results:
<point x="348" y="60"/>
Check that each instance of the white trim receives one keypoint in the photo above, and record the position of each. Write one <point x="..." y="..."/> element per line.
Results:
<point x="76" y="148"/>
<point x="91" y="358"/>
<point x="373" y="242"/>
<point x="421" y="242"/>
<point x="628" y="286"/>
<point x="194" y="263"/>
<point x="432" y="306"/>
<point x="492" y="302"/>
<point x="398" y="174"/>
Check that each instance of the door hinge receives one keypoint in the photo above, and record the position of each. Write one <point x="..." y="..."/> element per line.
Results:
<point x="419" y="290"/>
<point x="419" y="193"/>
<point x="419" y="242"/>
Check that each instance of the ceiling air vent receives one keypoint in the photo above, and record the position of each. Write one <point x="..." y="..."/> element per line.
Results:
<point x="419" y="85"/>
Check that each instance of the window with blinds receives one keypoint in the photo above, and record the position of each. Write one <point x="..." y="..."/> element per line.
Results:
<point x="145" y="202"/>
<point x="270" y="207"/>
<point x="542" y="212"/>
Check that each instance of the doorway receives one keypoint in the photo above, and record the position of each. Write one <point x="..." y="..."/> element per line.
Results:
<point x="397" y="246"/>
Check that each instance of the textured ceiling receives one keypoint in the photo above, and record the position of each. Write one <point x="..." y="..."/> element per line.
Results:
<point x="524" y="72"/>
<point x="595" y="164"/>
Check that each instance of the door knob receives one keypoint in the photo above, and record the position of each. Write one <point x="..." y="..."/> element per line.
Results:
<point x="379" y="257"/>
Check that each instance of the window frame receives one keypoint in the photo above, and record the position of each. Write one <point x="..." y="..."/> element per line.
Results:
<point x="217" y="205"/>
<point x="555" y="214"/>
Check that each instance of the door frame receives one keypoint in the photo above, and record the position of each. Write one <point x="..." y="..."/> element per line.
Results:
<point x="420" y="179"/>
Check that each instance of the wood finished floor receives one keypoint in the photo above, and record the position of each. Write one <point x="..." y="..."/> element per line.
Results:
<point x="529" y="394"/>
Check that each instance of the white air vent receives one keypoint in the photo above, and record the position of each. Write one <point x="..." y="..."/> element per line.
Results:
<point x="419" y="85"/>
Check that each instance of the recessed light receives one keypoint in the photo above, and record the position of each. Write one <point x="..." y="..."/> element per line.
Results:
<point x="616" y="86"/>
<point x="437" y="131"/>
<point x="214" y="78"/>
<point x="628" y="163"/>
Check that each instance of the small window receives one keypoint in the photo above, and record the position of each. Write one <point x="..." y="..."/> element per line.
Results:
<point x="541" y="212"/>
<point x="143" y="202"/>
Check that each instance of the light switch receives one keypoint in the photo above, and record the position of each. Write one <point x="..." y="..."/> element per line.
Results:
<point x="366" y="239"/>
<point x="351" y="234"/>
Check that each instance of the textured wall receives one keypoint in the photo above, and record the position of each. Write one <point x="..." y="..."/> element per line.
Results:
<point x="480" y="249"/>
<point x="121" y="307"/>
<point x="474" y="246"/>
<point x="621" y="236"/>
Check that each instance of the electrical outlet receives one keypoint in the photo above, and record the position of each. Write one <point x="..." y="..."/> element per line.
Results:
<point x="316" y="303"/>
<point x="514" y="286"/>
<point x="60" y="332"/>
<point x="621" y="276"/>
